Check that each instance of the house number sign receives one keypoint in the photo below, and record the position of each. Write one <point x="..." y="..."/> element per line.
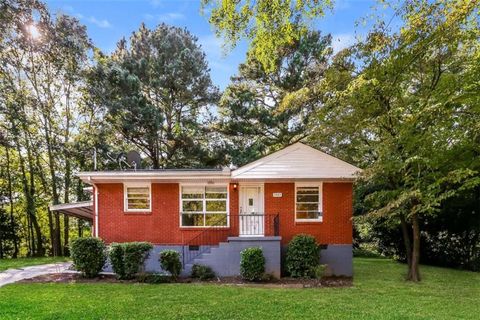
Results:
<point x="277" y="194"/>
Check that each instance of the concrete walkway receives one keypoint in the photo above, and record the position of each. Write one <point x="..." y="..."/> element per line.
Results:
<point x="14" y="275"/>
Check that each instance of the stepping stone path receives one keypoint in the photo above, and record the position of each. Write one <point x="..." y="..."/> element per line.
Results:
<point x="14" y="275"/>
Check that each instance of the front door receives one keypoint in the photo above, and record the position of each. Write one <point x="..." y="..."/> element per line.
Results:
<point x="251" y="211"/>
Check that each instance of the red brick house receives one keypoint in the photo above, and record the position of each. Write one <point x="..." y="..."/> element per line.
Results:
<point x="211" y="215"/>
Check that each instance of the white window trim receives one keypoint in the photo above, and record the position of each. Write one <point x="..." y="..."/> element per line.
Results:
<point x="137" y="185"/>
<point x="320" y="199"/>
<point x="203" y="185"/>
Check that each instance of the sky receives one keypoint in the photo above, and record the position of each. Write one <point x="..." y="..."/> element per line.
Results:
<point x="108" y="21"/>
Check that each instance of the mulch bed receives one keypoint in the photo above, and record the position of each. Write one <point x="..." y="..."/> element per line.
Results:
<point x="237" y="281"/>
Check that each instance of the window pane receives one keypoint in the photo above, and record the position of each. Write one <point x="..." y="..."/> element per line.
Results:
<point x="192" y="220"/>
<point x="307" y="190"/>
<point x="192" y="205"/>
<point x="307" y="207"/>
<point x="137" y="191"/>
<point x="192" y="192"/>
<point x="216" y="219"/>
<point x="216" y="206"/>
<point x="308" y="215"/>
<point x="138" y="198"/>
<point x="216" y="192"/>
<point x="307" y="198"/>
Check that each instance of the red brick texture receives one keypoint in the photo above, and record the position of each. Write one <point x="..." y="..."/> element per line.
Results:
<point x="162" y="225"/>
<point x="336" y="227"/>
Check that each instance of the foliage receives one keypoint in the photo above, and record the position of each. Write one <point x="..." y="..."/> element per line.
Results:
<point x="153" y="278"/>
<point x="89" y="255"/>
<point x="268" y="24"/>
<point x="262" y="112"/>
<point x="252" y="264"/>
<point x="303" y="255"/>
<point x="40" y="106"/>
<point x="157" y="94"/>
<point x="116" y="256"/>
<point x="170" y="261"/>
<point x="408" y="113"/>
<point x="202" y="272"/>
<point x="378" y="293"/>
<point x="318" y="272"/>
<point x="128" y="258"/>
<point x="135" y="254"/>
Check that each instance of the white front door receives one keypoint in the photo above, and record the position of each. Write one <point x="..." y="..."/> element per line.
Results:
<point x="251" y="211"/>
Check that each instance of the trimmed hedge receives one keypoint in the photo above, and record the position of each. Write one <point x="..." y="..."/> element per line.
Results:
<point x="252" y="264"/>
<point x="202" y="272"/>
<point x="128" y="258"/>
<point x="89" y="255"/>
<point x="170" y="261"/>
<point x="303" y="256"/>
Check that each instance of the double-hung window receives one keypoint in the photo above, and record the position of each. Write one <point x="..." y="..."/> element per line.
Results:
<point x="137" y="198"/>
<point x="308" y="204"/>
<point x="204" y="206"/>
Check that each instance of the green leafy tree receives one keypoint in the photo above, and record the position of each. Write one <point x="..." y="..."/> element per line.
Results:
<point x="410" y="113"/>
<point x="158" y="95"/>
<point x="268" y="24"/>
<point x="263" y="112"/>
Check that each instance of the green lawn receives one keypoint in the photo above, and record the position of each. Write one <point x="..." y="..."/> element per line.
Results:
<point x="379" y="293"/>
<point x="25" y="262"/>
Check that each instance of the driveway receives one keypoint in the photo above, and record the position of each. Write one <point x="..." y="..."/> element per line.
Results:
<point x="14" y="275"/>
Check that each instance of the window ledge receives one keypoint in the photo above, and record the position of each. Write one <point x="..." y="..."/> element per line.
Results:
<point x="312" y="221"/>
<point x="141" y="213"/>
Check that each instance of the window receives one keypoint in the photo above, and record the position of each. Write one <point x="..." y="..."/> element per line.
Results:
<point x="137" y="198"/>
<point x="308" y="205"/>
<point x="204" y="206"/>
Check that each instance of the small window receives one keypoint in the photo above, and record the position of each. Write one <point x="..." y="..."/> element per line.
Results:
<point x="308" y="203"/>
<point x="137" y="198"/>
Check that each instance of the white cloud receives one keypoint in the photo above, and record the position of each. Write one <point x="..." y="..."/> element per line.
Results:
<point x="342" y="41"/>
<point x="102" y="23"/>
<point x="168" y="17"/>
<point x="212" y="46"/>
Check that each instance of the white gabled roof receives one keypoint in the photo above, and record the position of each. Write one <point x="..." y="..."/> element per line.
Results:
<point x="297" y="161"/>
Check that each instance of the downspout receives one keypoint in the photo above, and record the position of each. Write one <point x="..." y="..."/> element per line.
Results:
<point x="95" y="207"/>
<point x="96" y="210"/>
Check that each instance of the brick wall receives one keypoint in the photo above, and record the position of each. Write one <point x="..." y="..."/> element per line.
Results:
<point x="162" y="225"/>
<point x="336" y="227"/>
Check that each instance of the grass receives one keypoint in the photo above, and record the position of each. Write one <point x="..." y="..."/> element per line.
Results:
<point x="379" y="293"/>
<point x="25" y="262"/>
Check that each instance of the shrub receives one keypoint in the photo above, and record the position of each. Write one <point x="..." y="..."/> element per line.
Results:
<point x="134" y="257"/>
<point x="89" y="255"/>
<point x="252" y="264"/>
<point x="202" y="272"/>
<point x="153" y="278"/>
<point x="128" y="258"/>
<point x="116" y="254"/>
<point x="318" y="272"/>
<point x="170" y="261"/>
<point x="302" y="256"/>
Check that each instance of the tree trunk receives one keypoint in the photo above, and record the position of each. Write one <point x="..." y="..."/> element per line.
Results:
<point x="406" y="241"/>
<point x="413" y="271"/>
<point x="10" y="199"/>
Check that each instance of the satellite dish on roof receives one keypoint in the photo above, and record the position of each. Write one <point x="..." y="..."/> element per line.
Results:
<point x="134" y="159"/>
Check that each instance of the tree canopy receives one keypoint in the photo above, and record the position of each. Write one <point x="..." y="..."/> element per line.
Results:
<point x="157" y="93"/>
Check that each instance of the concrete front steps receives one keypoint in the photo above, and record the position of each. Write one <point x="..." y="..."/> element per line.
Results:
<point x="224" y="259"/>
